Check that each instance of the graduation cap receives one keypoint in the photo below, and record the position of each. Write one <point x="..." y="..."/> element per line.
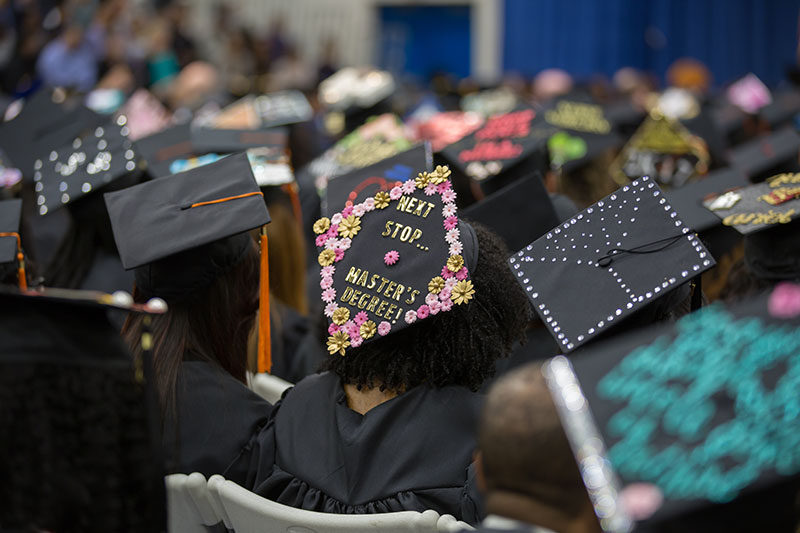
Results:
<point x="770" y="153"/>
<point x="749" y="94"/>
<point x="160" y="149"/>
<point x="283" y="108"/>
<point x="491" y="102"/>
<point x="350" y="88"/>
<point x="270" y="165"/>
<point x="627" y="250"/>
<point x="673" y="419"/>
<point x="520" y="212"/>
<point x="240" y="115"/>
<point x="784" y="107"/>
<point x="145" y="114"/>
<point x="688" y="200"/>
<point x="93" y="419"/>
<point x="10" y="242"/>
<point x="206" y="140"/>
<point x="86" y="164"/>
<point x="181" y="232"/>
<point x="443" y="129"/>
<point x="358" y="185"/>
<point x="9" y="175"/>
<point x="393" y="259"/>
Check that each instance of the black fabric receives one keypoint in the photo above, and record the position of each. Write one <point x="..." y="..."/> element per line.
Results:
<point x="776" y="152"/>
<point x="410" y="453"/>
<point x="218" y="420"/>
<point x="618" y="255"/>
<point x="774" y="254"/>
<point x="10" y="216"/>
<point x="291" y="358"/>
<point x="784" y="107"/>
<point x="206" y="140"/>
<point x="161" y="149"/>
<point x="688" y="200"/>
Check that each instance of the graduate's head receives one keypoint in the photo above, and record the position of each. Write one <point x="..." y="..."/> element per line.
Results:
<point x="525" y="463"/>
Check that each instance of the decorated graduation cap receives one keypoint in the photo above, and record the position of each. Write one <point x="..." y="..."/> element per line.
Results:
<point x="394" y="259"/>
<point x="282" y="108"/>
<point x="519" y="213"/>
<point x="146" y="115"/>
<point x="351" y="88"/>
<point x="11" y="253"/>
<point x="86" y="164"/>
<point x="673" y="419"/>
<point x="618" y="255"/>
<point x="749" y="94"/>
<point x="772" y="153"/>
<point x="448" y="127"/>
<point x="356" y="186"/>
<point x="688" y="200"/>
<point x="182" y="232"/>
<point x="160" y="149"/>
<point x="490" y="102"/>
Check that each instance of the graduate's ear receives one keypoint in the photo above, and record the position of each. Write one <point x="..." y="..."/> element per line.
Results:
<point x="480" y="477"/>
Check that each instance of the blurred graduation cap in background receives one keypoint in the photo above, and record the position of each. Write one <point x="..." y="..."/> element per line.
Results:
<point x="160" y="149"/>
<point x="12" y="257"/>
<point x="768" y="154"/>
<point x="783" y="108"/>
<point x="695" y="423"/>
<point x="205" y="140"/>
<point x="629" y="250"/>
<point x="351" y="95"/>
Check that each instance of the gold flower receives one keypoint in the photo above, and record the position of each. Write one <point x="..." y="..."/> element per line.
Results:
<point x="455" y="263"/>
<point x="436" y="285"/>
<point x="422" y="180"/>
<point x="322" y="225"/>
<point x="368" y="329"/>
<point x="462" y="292"/>
<point x="326" y="257"/>
<point x="350" y="226"/>
<point x="382" y="200"/>
<point x="440" y="174"/>
<point x="338" y="342"/>
<point x="340" y="316"/>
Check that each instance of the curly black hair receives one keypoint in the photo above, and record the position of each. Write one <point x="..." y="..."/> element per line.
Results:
<point x="458" y="347"/>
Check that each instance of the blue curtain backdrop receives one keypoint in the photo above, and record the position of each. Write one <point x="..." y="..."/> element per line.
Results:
<point x="584" y="37"/>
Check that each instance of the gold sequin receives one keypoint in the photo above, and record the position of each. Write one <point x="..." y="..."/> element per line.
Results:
<point x="350" y="226"/>
<point x="462" y="292"/>
<point x="322" y="225"/>
<point x="368" y="329"/>
<point x="340" y="316"/>
<point x="338" y="342"/>
<point x="326" y="257"/>
<point x="455" y="263"/>
<point x="436" y="285"/>
<point x="382" y="200"/>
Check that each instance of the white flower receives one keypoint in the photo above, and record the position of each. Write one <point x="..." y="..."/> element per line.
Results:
<point x="456" y="248"/>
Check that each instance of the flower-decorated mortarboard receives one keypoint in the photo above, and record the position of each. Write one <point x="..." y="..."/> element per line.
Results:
<point x="607" y="262"/>
<point x="393" y="259"/>
<point x="769" y="154"/>
<point x="681" y="418"/>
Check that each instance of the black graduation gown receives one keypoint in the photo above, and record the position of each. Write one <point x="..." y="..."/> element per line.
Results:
<point x="411" y="453"/>
<point x="218" y="418"/>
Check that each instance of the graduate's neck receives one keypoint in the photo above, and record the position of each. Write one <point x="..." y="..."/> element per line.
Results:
<point x="365" y="399"/>
<point x="529" y="510"/>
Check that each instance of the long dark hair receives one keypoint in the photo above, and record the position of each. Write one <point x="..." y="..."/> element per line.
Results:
<point x="458" y="347"/>
<point x="211" y="325"/>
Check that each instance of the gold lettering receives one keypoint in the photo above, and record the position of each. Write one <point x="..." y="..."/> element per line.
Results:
<point x="373" y="281"/>
<point x="402" y="202"/>
<point x="416" y="235"/>
<point x="384" y="281"/>
<point x="348" y="292"/>
<point x="410" y="300"/>
<point x="355" y="296"/>
<point x="389" y="289"/>
<point x="430" y="206"/>
<point x="397" y="226"/>
<point x="399" y="291"/>
<point x="390" y="311"/>
<point x="379" y="312"/>
<point x="388" y="228"/>
<point x="362" y="302"/>
<point x="410" y="207"/>
<point x="405" y="234"/>
<point x="362" y="279"/>
<point x="420" y="207"/>
<point x="372" y="303"/>
<point x="352" y="275"/>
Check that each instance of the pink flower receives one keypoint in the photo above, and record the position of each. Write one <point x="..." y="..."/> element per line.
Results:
<point x="359" y="210"/>
<point x="450" y="222"/>
<point x="333" y="231"/>
<point x="452" y="235"/>
<point x="450" y="283"/>
<point x="327" y="271"/>
<point x="430" y="189"/>
<point x="784" y="302"/>
<point x="447" y="305"/>
<point x="444" y="186"/>
<point x="339" y="255"/>
<point x="409" y="186"/>
<point x="456" y="248"/>
<point x="449" y="210"/>
<point x="462" y="274"/>
<point x="360" y="318"/>
<point x="330" y="308"/>
<point x="411" y="316"/>
<point x="430" y="298"/>
<point x="345" y="243"/>
<point x="320" y="240"/>
<point x="446" y="274"/>
<point x="445" y="294"/>
<point x="331" y="243"/>
<point x="355" y="341"/>
<point x="369" y="204"/>
<point x="328" y="295"/>
<point x="332" y="328"/>
<point x="384" y="328"/>
<point x="351" y="328"/>
<point x="335" y="219"/>
<point x="448" y="197"/>
<point x="391" y="257"/>
<point x="435" y="307"/>
<point x="423" y="311"/>
<point x="395" y="193"/>
<point x="326" y="282"/>
<point x="347" y="211"/>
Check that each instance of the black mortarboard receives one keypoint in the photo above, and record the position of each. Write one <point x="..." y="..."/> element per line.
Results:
<point x="759" y="207"/>
<point x="270" y="165"/>
<point x="356" y="186"/>
<point x="688" y="200"/>
<point x="351" y="89"/>
<point x="784" y="107"/>
<point x="393" y="259"/>
<point x="448" y="127"/>
<point x="491" y="102"/>
<point x="85" y="164"/>
<point x="76" y="411"/>
<point x="769" y="154"/>
<point x="688" y="416"/>
<point x="625" y="251"/>
<point x="161" y="149"/>
<point x="206" y="140"/>
<point x="520" y="212"/>
<point x="11" y="255"/>
<point x="282" y="108"/>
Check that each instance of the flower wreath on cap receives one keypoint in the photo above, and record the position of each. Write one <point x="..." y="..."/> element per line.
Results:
<point x="451" y="285"/>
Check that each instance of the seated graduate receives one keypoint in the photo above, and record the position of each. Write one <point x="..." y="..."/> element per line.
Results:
<point x="421" y="305"/>
<point x="525" y="467"/>
<point x="187" y="237"/>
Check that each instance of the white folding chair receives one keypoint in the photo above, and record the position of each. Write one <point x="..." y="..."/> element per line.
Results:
<point x="246" y="512"/>
<point x="447" y="523"/>
<point x="269" y="387"/>
<point x="189" y="505"/>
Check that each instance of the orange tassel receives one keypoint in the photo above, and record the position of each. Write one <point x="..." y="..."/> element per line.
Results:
<point x="291" y="189"/>
<point x="264" y="341"/>
<point x="22" y="279"/>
